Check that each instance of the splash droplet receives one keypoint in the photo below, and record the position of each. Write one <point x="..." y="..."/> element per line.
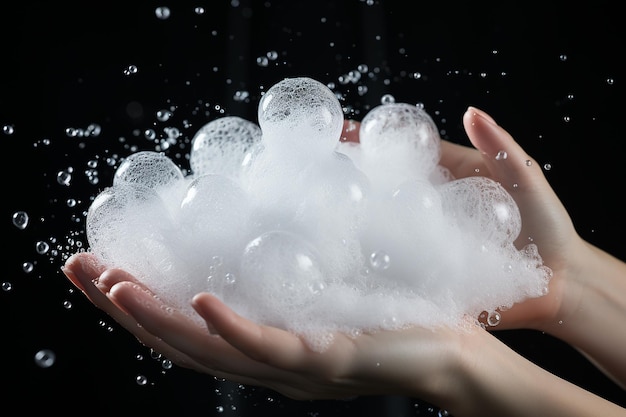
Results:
<point x="45" y="358"/>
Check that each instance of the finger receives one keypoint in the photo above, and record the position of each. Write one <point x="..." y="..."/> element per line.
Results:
<point x="507" y="162"/>
<point x="81" y="269"/>
<point x="462" y="161"/>
<point x="266" y="344"/>
<point x="84" y="270"/>
<point x="186" y="335"/>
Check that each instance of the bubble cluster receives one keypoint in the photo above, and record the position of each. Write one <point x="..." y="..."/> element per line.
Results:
<point x="294" y="228"/>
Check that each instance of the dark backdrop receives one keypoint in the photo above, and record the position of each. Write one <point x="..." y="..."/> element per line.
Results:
<point x="552" y="75"/>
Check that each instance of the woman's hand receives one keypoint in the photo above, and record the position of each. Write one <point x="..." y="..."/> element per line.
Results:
<point x="467" y="373"/>
<point x="413" y="362"/>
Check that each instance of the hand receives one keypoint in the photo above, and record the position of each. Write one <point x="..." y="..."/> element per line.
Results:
<point x="455" y="370"/>
<point x="242" y="351"/>
<point x="545" y="222"/>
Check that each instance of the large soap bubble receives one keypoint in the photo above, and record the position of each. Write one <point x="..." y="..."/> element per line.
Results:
<point x="300" y="114"/>
<point x="293" y="228"/>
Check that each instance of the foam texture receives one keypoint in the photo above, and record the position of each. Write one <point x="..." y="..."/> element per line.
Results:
<point x="294" y="228"/>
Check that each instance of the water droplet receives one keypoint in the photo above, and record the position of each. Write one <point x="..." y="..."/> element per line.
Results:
<point x="8" y="129"/>
<point x="162" y="12"/>
<point x="166" y="364"/>
<point x="130" y="70"/>
<point x="45" y="358"/>
<point x="64" y="177"/>
<point x="7" y="286"/>
<point x="501" y="155"/>
<point x="20" y="219"/>
<point x="163" y="115"/>
<point x="42" y="247"/>
<point x="141" y="380"/>
<point x="529" y="162"/>
<point x="547" y="167"/>
<point x="28" y="267"/>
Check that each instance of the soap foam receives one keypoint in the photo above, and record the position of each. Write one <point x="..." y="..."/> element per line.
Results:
<point x="291" y="227"/>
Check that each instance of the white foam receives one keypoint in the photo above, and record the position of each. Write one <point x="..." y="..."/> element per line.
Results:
<point x="293" y="228"/>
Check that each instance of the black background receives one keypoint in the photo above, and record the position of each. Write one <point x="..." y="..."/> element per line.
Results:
<point x="552" y="75"/>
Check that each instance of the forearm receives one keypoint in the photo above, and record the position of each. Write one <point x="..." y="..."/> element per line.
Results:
<point x="595" y="322"/>
<point x="496" y="381"/>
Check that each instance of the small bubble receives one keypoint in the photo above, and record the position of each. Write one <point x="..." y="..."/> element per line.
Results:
<point x="501" y="155"/>
<point x="387" y="99"/>
<point x="493" y="319"/>
<point x="67" y="305"/>
<point x="45" y="358"/>
<point x="42" y="247"/>
<point x="8" y="129"/>
<point x="163" y="115"/>
<point x="130" y="70"/>
<point x="529" y="162"/>
<point x="141" y="380"/>
<point x="219" y="409"/>
<point x="28" y="267"/>
<point x="547" y="166"/>
<point x="610" y="81"/>
<point x="7" y="286"/>
<point x="443" y="413"/>
<point x="230" y="278"/>
<point x="199" y="10"/>
<point x="379" y="260"/>
<point x="162" y="12"/>
<point x="64" y="177"/>
<point x="20" y="219"/>
<point x="166" y="364"/>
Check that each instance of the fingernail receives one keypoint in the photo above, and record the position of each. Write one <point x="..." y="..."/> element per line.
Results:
<point x="477" y="112"/>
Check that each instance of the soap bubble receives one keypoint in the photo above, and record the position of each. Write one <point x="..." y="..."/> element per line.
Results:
<point x="300" y="114"/>
<point x="220" y="146"/>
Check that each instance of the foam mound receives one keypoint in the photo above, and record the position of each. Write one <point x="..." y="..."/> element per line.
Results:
<point x="294" y="228"/>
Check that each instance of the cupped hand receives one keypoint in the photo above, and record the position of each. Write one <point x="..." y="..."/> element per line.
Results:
<point x="413" y="362"/>
<point x="545" y="222"/>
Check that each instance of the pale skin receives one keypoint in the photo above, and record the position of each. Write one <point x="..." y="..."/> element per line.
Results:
<point x="467" y="373"/>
